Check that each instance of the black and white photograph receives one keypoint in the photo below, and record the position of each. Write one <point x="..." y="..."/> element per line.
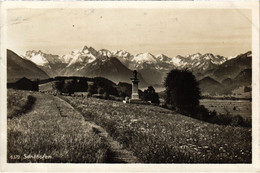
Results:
<point x="130" y="85"/>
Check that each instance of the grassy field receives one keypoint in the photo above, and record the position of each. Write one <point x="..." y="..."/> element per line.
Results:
<point x="157" y="135"/>
<point x="51" y="132"/>
<point x="232" y="107"/>
<point x="19" y="103"/>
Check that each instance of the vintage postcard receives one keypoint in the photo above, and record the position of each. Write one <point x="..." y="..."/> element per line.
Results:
<point x="130" y="86"/>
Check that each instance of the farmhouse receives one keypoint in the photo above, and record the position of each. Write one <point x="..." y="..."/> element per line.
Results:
<point x="24" y="84"/>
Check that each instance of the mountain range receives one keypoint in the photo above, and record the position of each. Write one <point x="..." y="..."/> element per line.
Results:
<point x="18" y="67"/>
<point x="152" y="69"/>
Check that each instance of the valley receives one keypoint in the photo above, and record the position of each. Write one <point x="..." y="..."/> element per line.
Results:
<point x="231" y="107"/>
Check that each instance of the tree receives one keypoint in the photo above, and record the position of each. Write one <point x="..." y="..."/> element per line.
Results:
<point x="151" y="95"/>
<point x="58" y="85"/>
<point x="92" y="89"/>
<point x="247" y="89"/>
<point x="123" y="94"/>
<point x="107" y="85"/>
<point x="82" y="85"/>
<point x="69" y="87"/>
<point x="100" y="91"/>
<point x="182" y="91"/>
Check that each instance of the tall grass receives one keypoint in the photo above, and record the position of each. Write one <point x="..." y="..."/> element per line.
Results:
<point x="44" y="135"/>
<point x="18" y="103"/>
<point x="158" y="135"/>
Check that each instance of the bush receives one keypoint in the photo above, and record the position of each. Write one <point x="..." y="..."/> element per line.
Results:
<point x="164" y="106"/>
<point x="106" y="95"/>
<point x="30" y="102"/>
<point x="100" y="91"/>
<point x="247" y="89"/>
<point x="122" y="94"/>
<point x="92" y="89"/>
<point x="58" y="85"/>
<point x="202" y="113"/>
<point x="236" y="121"/>
<point x="150" y="95"/>
<point x="247" y="123"/>
<point x="106" y="86"/>
<point x="71" y="86"/>
<point x="82" y="85"/>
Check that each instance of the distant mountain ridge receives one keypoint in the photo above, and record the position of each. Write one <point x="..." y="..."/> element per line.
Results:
<point x="110" y="68"/>
<point x="89" y="54"/>
<point x="51" y="64"/>
<point x="17" y="68"/>
<point x="152" y="69"/>
<point x="209" y="85"/>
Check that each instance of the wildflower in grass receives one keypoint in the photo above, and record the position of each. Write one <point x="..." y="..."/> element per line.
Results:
<point x="169" y="134"/>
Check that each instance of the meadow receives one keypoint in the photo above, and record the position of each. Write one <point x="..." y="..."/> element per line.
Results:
<point x="158" y="135"/>
<point x="50" y="132"/>
<point x="231" y="107"/>
<point x="19" y="103"/>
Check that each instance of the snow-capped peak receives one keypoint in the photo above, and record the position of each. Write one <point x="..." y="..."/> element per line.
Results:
<point x="87" y="50"/>
<point x="177" y="61"/>
<point x="104" y="52"/>
<point x="194" y="56"/>
<point x="121" y="53"/>
<point x="86" y="55"/>
<point x="74" y="52"/>
<point x="37" y="57"/>
<point x="163" y="58"/>
<point x="198" y="60"/>
<point x="144" y="57"/>
<point x="231" y="57"/>
<point x="208" y="56"/>
<point x="215" y="59"/>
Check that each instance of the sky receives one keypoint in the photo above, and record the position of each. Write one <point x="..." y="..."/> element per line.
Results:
<point x="172" y="32"/>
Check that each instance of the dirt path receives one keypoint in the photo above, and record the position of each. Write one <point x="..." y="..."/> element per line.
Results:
<point x="116" y="153"/>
